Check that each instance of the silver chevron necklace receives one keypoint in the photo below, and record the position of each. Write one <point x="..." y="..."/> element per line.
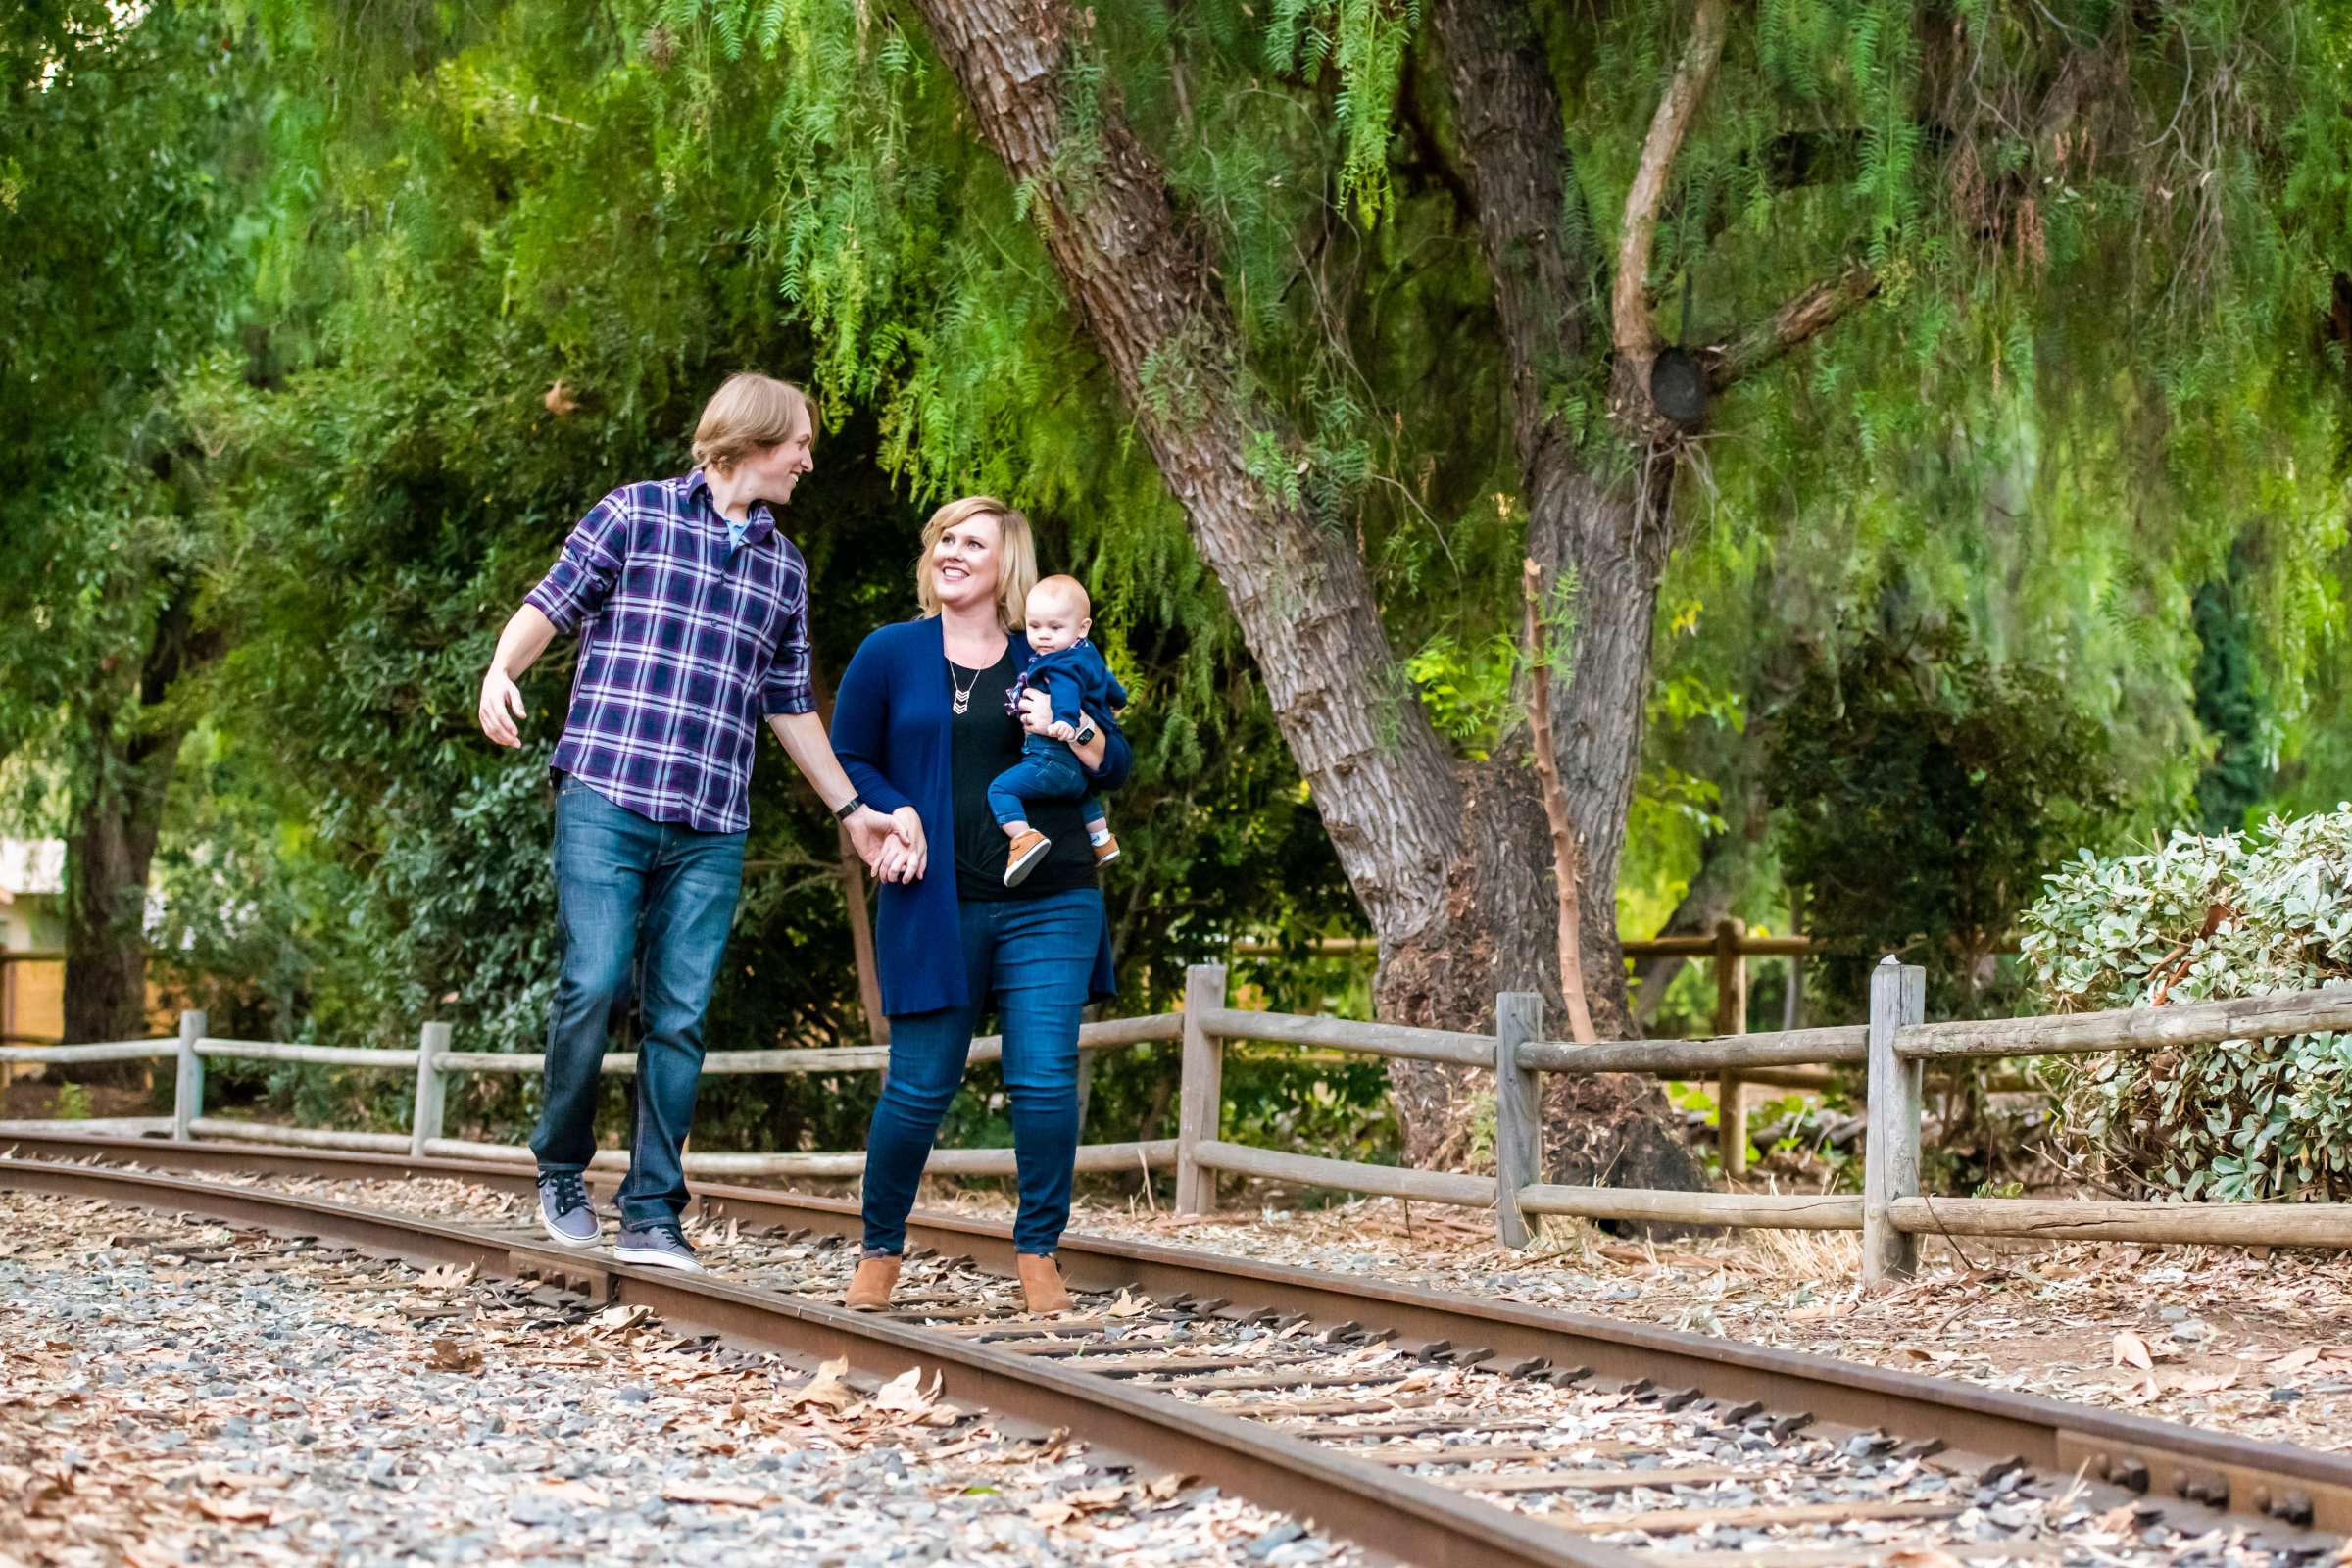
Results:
<point x="964" y="693"/>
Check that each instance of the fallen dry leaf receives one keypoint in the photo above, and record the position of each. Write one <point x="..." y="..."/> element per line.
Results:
<point x="695" y="1491"/>
<point x="230" y="1510"/>
<point x="455" y="1355"/>
<point x="444" y="1275"/>
<point x="2201" y="1382"/>
<point x="2296" y="1359"/>
<point x="826" y="1387"/>
<point x="613" y="1319"/>
<point x="235" y="1481"/>
<point x="1126" y="1306"/>
<point x="579" y="1492"/>
<point x="905" y="1392"/>
<point x="2132" y="1351"/>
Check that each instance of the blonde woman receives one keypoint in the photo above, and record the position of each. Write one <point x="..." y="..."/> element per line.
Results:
<point x="692" y="609"/>
<point x="922" y="720"/>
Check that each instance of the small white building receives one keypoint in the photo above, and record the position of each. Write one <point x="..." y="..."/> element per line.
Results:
<point x="33" y="919"/>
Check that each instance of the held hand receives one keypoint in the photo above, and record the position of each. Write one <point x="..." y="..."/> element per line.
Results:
<point x="1037" y="713"/>
<point x="914" y="851"/>
<point x="898" y="864"/>
<point x="501" y="704"/>
<point x="869" y="832"/>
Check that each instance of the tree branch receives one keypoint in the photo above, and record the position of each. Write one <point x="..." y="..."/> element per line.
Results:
<point x="1629" y="303"/>
<point x="1807" y="317"/>
<point x="1566" y="860"/>
<point x="1140" y="278"/>
<point x="1522" y="180"/>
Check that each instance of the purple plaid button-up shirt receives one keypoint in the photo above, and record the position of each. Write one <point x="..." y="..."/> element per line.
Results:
<point x="686" y="642"/>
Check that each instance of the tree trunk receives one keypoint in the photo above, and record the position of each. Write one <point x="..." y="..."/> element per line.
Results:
<point x="118" y="814"/>
<point x="1137" y="277"/>
<point x="1448" y="862"/>
<point x="108" y="853"/>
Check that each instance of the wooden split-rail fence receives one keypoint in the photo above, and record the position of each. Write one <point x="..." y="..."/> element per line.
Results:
<point x="1894" y="1049"/>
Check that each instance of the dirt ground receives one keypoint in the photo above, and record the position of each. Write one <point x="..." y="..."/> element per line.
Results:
<point x="28" y="1098"/>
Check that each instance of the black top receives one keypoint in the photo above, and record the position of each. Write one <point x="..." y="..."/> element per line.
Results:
<point x="987" y="742"/>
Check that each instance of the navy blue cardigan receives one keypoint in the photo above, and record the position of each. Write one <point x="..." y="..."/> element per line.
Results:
<point x="891" y="730"/>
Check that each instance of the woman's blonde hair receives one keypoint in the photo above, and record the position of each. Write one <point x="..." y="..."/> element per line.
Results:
<point x="1016" y="557"/>
<point x="748" y="413"/>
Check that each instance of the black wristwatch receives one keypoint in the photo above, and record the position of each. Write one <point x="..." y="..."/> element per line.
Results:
<point x="1086" y="736"/>
<point x="848" y="806"/>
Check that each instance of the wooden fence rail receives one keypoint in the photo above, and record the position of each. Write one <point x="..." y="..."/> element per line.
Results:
<point x="432" y="1062"/>
<point x="1895" y="1048"/>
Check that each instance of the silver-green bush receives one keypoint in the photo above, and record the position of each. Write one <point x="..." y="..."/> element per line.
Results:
<point x="2231" y="916"/>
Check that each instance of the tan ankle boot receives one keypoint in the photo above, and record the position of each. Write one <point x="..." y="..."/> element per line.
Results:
<point x="1041" y="1283"/>
<point x="871" y="1287"/>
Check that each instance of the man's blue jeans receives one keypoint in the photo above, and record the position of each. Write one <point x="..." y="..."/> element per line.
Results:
<point x="632" y="894"/>
<point x="1034" y="960"/>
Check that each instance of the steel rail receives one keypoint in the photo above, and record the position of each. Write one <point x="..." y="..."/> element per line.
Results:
<point x="2137" y="1453"/>
<point x="1389" y="1514"/>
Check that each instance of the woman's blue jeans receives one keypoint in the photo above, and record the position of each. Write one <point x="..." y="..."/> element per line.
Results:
<point x="1033" y="959"/>
<point x="653" y="897"/>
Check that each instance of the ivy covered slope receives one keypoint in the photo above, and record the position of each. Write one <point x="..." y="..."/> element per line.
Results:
<point x="2234" y="915"/>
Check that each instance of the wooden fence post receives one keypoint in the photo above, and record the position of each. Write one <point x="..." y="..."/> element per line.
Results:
<point x="1898" y="996"/>
<point x="1518" y="1115"/>
<point x="431" y="1087"/>
<point x="187" y="1092"/>
<point x="1201" y="1090"/>
<point x="1730" y="1018"/>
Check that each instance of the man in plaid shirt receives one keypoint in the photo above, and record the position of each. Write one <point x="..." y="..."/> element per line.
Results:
<point x="693" y="617"/>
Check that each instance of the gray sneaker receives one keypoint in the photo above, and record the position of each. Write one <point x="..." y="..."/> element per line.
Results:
<point x="662" y="1246"/>
<point x="565" y="1212"/>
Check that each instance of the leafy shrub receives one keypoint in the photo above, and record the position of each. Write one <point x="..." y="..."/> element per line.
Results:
<point x="1923" y="790"/>
<point x="2207" y="917"/>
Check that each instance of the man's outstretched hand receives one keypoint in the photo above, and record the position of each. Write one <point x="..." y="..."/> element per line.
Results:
<point x="500" y="706"/>
<point x="892" y="847"/>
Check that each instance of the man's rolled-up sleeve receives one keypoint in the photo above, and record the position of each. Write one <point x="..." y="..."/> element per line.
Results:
<point x="789" y="687"/>
<point x="577" y="585"/>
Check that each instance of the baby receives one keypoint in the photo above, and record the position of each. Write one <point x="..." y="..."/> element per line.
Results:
<point x="1074" y="679"/>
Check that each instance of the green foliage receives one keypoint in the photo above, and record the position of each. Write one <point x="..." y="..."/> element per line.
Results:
<point x="2229" y="704"/>
<point x="287" y="299"/>
<point x="125" y="186"/>
<point x="1334" y="1104"/>
<point x="1924" y="790"/>
<point x="2235" y="914"/>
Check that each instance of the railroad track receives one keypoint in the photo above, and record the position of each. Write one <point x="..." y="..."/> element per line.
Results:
<point x="1430" y="1428"/>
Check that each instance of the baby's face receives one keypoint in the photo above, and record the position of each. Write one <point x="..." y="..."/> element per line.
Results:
<point x="1054" y="623"/>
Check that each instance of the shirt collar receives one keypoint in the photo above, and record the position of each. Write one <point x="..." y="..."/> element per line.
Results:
<point x="759" y="523"/>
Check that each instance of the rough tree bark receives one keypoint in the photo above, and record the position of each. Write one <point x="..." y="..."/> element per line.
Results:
<point x="1608" y="523"/>
<point x="1448" y="861"/>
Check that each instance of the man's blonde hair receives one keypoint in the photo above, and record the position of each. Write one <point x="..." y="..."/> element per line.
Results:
<point x="1069" y="590"/>
<point x="748" y="414"/>
<point x="1016" y="557"/>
